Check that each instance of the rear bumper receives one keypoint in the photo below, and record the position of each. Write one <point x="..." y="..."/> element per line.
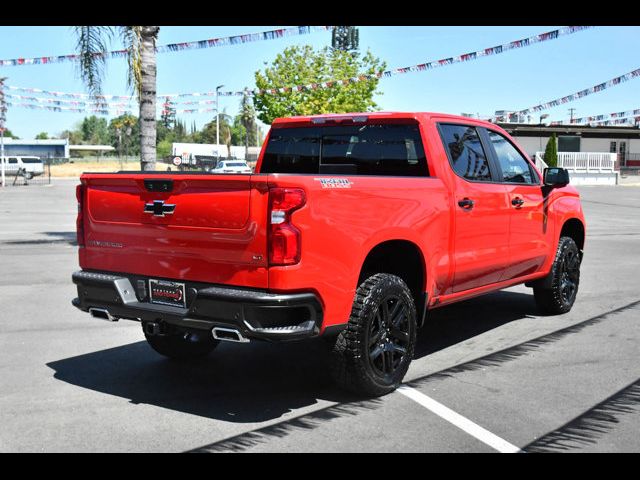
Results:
<point x="256" y="314"/>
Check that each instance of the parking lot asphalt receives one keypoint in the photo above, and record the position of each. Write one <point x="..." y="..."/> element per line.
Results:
<point x="539" y="383"/>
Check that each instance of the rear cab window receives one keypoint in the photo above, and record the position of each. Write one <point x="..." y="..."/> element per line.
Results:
<point x="370" y="149"/>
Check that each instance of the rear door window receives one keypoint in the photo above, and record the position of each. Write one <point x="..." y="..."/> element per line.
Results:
<point x="371" y="149"/>
<point x="465" y="151"/>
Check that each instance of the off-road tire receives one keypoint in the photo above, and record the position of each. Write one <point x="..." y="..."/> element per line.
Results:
<point x="181" y="346"/>
<point x="354" y="364"/>
<point x="564" y="278"/>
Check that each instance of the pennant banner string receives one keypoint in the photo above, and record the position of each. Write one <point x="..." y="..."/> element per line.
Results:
<point x="99" y="103"/>
<point x="576" y="96"/>
<point x="543" y="37"/>
<point x="102" y="110"/>
<point x="175" y="47"/>
<point x="546" y="36"/>
<point x="598" y="118"/>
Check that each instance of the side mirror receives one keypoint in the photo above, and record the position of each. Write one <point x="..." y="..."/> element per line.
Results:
<point x="556" y="177"/>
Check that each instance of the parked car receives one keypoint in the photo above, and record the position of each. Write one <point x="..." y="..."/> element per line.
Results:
<point x="352" y="228"/>
<point x="231" y="166"/>
<point x="29" y="167"/>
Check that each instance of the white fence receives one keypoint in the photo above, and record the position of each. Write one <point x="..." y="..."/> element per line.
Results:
<point x="596" y="162"/>
<point x="585" y="168"/>
<point x="540" y="163"/>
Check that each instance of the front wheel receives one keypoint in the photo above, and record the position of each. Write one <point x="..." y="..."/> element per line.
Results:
<point x="560" y="292"/>
<point x="182" y="346"/>
<point x="372" y="355"/>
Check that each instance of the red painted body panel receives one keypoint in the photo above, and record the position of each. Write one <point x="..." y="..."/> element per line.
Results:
<point x="218" y="233"/>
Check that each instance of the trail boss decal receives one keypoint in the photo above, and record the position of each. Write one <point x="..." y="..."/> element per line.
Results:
<point x="334" y="182"/>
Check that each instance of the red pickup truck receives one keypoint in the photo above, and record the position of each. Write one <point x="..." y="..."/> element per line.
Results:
<point x="352" y="227"/>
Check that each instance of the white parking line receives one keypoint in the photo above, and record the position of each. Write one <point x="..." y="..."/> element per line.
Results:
<point x="473" y="429"/>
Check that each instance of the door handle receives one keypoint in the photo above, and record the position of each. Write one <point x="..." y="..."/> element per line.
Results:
<point x="517" y="202"/>
<point x="466" y="203"/>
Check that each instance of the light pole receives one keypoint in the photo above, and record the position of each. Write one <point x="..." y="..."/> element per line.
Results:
<point x="3" y="117"/>
<point x="218" y="123"/>
<point x="119" y="133"/>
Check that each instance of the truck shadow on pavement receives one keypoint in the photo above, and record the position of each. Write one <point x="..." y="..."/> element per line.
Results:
<point x="262" y="381"/>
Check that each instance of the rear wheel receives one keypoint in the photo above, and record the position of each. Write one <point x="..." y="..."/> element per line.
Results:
<point x="372" y="355"/>
<point x="564" y="280"/>
<point x="182" y="346"/>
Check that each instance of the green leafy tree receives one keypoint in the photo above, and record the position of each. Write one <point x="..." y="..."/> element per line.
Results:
<point x="208" y="134"/>
<point x="551" y="151"/>
<point x="94" y="130"/>
<point x="164" y="149"/>
<point x="238" y="132"/>
<point x="248" y="121"/>
<point x="124" y="131"/>
<point x="302" y="65"/>
<point x="8" y="134"/>
<point x="74" y="136"/>
<point x="168" y="116"/>
<point x="42" y="136"/>
<point x="140" y="43"/>
<point x="180" y="132"/>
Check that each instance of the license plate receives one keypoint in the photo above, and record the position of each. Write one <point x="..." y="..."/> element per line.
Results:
<point x="167" y="293"/>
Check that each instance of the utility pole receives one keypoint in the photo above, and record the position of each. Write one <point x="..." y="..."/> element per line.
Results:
<point x="571" y="110"/>
<point x="3" y="119"/>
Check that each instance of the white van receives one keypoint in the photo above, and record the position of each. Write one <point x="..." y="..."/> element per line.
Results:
<point x="28" y="166"/>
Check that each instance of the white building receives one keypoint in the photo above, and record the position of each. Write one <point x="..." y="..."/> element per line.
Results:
<point x="621" y="140"/>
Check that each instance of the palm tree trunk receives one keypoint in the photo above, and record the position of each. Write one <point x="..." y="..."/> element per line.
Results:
<point x="148" y="98"/>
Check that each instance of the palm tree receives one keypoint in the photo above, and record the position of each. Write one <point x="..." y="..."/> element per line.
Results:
<point x="248" y="119"/>
<point x="140" y="43"/>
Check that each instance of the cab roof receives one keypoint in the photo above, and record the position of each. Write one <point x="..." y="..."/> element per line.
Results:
<point x="363" y="117"/>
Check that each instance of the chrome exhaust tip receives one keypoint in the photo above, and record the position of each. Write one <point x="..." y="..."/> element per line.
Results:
<point x="228" y="335"/>
<point x="102" y="314"/>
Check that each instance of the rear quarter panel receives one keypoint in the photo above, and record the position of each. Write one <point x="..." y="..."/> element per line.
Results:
<point x="340" y="226"/>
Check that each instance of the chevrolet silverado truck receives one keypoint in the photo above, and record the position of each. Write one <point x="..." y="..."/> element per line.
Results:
<point x="352" y="228"/>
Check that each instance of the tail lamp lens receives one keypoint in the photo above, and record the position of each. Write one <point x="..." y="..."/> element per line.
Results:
<point x="80" y="189"/>
<point x="284" y="237"/>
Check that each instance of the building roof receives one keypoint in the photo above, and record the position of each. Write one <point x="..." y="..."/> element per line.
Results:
<point x="101" y="148"/>
<point x="528" y="129"/>
<point x="52" y="141"/>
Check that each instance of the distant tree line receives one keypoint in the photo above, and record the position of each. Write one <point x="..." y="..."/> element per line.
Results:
<point x="123" y="132"/>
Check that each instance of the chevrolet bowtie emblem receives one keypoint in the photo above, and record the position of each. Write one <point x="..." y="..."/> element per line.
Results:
<point x="158" y="208"/>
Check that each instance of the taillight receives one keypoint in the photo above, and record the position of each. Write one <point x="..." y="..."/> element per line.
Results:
<point x="80" y="189"/>
<point x="284" y="237"/>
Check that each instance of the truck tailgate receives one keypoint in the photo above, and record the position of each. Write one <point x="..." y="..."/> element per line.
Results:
<point x="204" y="227"/>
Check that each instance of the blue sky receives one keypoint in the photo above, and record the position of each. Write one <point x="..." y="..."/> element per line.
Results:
<point x="513" y="80"/>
